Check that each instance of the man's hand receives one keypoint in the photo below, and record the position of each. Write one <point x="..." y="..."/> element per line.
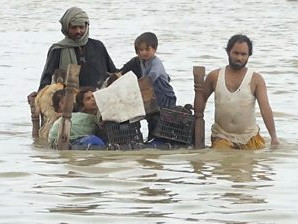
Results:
<point x="274" y="143"/>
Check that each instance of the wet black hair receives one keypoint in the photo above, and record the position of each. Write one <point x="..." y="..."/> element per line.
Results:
<point x="148" y="38"/>
<point x="239" y="38"/>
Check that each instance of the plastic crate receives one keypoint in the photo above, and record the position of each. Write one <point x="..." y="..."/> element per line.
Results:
<point x="124" y="133"/>
<point x="175" y="125"/>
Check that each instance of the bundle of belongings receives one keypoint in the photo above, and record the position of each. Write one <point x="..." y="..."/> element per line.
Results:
<point x="122" y="103"/>
<point x="127" y="101"/>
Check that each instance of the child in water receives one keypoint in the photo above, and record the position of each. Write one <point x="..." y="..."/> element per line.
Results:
<point x="146" y="63"/>
<point x="84" y="123"/>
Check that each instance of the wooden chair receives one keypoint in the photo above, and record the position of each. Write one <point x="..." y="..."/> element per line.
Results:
<point x="35" y="116"/>
<point x="199" y="74"/>
<point x="72" y="85"/>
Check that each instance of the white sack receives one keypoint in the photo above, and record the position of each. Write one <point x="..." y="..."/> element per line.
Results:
<point x="121" y="101"/>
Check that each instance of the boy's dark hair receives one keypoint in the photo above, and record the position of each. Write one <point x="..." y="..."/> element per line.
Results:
<point x="57" y="97"/>
<point x="148" y="38"/>
<point x="80" y="97"/>
<point x="239" y="38"/>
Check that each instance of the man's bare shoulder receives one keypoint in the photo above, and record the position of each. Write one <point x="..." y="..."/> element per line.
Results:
<point x="257" y="78"/>
<point x="212" y="76"/>
<point x="257" y="83"/>
<point x="211" y="81"/>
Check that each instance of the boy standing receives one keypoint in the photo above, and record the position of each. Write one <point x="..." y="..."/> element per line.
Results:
<point x="148" y="64"/>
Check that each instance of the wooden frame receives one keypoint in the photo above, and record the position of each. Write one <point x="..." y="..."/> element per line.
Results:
<point x="34" y="117"/>
<point x="199" y="74"/>
<point x="72" y="85"/>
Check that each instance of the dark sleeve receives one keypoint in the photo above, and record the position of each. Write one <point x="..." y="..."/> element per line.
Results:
<point x="110" y="64"/>
<point x="51" y="65"/>
<point x="134" y="66"/>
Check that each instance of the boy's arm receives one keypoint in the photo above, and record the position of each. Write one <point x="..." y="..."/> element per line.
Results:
<point x="132" y="65"/>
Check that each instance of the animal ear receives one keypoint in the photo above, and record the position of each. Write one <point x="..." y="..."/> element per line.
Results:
<point x="59" y="76"/>
<point x="60" y="80"/>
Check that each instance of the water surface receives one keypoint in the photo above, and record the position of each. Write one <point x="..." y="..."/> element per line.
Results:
<point x="39" y="185"/>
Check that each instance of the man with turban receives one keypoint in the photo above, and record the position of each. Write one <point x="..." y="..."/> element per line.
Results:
<point x="78" y="48"/>
<point x="75" y="48"/>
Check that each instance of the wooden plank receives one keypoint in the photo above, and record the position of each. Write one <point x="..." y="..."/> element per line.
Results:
<point x="72" y="85"/>
<point x="34" y="117"/>
<point x="199" y="74"/>
<point x="148" y="95"/>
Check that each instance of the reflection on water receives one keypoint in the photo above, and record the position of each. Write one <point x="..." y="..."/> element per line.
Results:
<point x="39" y="185"/>
<point x="151" y="184"/>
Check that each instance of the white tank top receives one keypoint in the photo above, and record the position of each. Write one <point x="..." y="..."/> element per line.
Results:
<point x="235" y="111"/>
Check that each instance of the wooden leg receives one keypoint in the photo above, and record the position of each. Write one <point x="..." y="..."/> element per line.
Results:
<point x="72" y="85"/>
<point x="199" y="74"/>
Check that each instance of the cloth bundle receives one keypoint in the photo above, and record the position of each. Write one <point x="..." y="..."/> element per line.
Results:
<point x="121" y="101"/>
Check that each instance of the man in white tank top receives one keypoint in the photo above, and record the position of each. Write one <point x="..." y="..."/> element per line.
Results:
<point x="236" y="89"/>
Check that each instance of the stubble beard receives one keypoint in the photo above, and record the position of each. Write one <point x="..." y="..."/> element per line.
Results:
<point x="237" y="65"/>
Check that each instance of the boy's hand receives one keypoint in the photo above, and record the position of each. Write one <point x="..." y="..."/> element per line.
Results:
<point x="113" y="77"/>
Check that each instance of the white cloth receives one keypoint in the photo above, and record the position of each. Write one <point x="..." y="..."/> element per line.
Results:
<point x="121" y="101"/>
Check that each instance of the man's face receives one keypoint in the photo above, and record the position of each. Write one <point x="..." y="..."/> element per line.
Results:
<point x="238" y="55"/>
<point x="76" y="32"/>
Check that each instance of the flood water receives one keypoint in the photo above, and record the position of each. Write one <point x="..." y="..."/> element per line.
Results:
<point x="40" y="185"/>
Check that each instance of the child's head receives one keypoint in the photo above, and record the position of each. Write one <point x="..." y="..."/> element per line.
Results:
<point x="85" y="101"/>
<point x="146" y="45"/>
<point x="58" y="100"/>
<point x="59" y="76"/>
